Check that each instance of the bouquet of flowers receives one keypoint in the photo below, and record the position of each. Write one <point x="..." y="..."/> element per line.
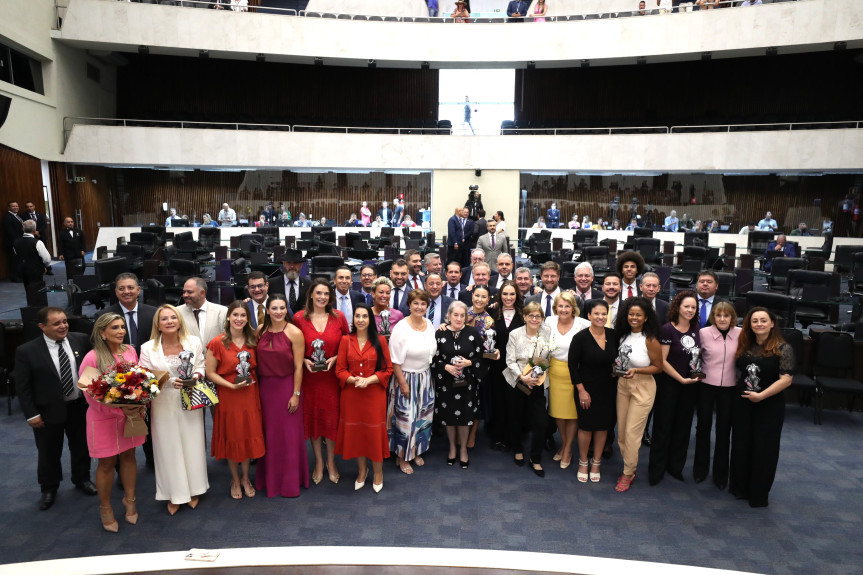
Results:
<point x="538" y="364"/>
<point x="127" y="386"/>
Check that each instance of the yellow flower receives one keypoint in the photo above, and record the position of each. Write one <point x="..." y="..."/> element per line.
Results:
<point x="121" y="378"/>
<point x="114" y="392"/>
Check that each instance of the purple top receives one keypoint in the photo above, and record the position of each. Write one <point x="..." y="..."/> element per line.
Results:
<point x="683" y="346"/>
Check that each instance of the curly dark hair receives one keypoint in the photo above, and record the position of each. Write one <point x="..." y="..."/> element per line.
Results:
<point x="651" y="322"/>
<point x="519" y="299"/>
<point x="674" y="307"/>
<point x="630" y="257"/>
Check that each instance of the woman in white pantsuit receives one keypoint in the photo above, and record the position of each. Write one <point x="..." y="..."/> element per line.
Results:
<point x="179" y="443"/>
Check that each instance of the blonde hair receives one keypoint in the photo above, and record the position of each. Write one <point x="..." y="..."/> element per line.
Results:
<point x="104" y="357"/>
<point x="568" y="298"/>
<point x="182" y="333"/>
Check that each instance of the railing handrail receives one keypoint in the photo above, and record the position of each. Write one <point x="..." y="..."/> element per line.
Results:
<point x="607" y="15"/>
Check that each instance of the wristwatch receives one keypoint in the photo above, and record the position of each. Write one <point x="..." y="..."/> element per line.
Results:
<point x="297" y="393"/>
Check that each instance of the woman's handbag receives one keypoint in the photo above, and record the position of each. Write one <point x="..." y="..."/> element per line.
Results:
<point x="201" y="394"/>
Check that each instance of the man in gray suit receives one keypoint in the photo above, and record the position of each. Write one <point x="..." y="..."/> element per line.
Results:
<point x="204" y="320"/>
<point x="492" y="244"/>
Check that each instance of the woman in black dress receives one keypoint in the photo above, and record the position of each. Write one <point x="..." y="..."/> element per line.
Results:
<point x="507" y="317"/>
<point x="591" y="356"/>
<point x="454" y="369"/>
<point x="676" y="391"/>
<point x="765" y="364"/>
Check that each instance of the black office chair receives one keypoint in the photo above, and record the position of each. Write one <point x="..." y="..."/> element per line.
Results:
<point x="806" y="386"/>
<point x="209" y="237"/>
<point x="650" y="249"/>
<point x="779" y="269"/>
<point x="694" y="260"/>
<point x="109" y="268"/>
<point x="726" y="284"/>
<point x="251" y="243"/>
<point x="597" y="256"/>
<point x="642" y="232"/>
<point x="757" y="242"/>
<point x="781" y="305"/>
<point x="383" y="268"/>
<point x="182" y="270"/>
<point x="134" y="254"/>
<point x="855" y="282"/>
<point x="154" y="294"/>
<point x="326" y="265"/>
<point x="824" y="251"/>
<point x="844" y="257"/>
<point x="584" y="238"/>
<point x="834" y="369"/>
<point x="699" y="239"/>
<point x="813" y="290"/>
<point x="147" y="240"/>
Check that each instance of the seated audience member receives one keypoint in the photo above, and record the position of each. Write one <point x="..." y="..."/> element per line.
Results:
<point x="706" y="4"/>
<point x="642" y="9"/>
<point x="768" y="224"/>
<point x="207" y="220"/>
<point x="615" y="225"/>
<point x="827" y="226"/>
<point x="586" y="223"/>
<point x="302" y="222"/>
<point x="320" y="222"/>
<point x="686" y="223"/>
<point x="750" y="3"/>
<point x="672" y="223"/>
<point x="713" y="227"/>
<point x="378" y="223"/>
<point x="408" y="222"/>
<point x="800" y="230"/>
<point x="540" y="224"/>
<point x="285" y="218"/>
<point x="750" y="227"/>
<point x="698" y="227"/>
<point x="599" y="225"/>
<point x="780" y="244"/>
<point x="240" y="5"/>
<point x="633" y="223"/>
<point x="352" y="222"/>
<point x="170" y="217"/>
<point x="573" y="222"/>
<point x="262" y="222"/>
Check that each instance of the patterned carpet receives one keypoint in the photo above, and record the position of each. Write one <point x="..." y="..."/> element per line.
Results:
<point x="813" y="524"/>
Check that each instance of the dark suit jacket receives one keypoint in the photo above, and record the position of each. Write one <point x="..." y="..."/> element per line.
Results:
<point x="301" y="297"/>
<point x="355" y="297"/>
<point x="502" y="338"/>
<point x="253" y="319"/>
<point x="662" y="311"/>
<point x="71" y="246"/>
<point x="40" y="220"/>
<point x="454" y="232"/>
<point x="444" y="302"/>
<point x="494" y="277"/>
<point x="522" y="7"/>
<point x="594" y="294"/>
<point x="37" y="380"/>
<point x="12" y="229"/>
<point x="146" y="313"/>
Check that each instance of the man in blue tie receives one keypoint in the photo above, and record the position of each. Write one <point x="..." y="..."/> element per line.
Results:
<point x="346" y="298"/>
<point x="549" y="274"/>
<point x="706" y="286"/>
<point x="517" y="9"/>
<point x="368" y="275"/>
<point x="399" y="277"/>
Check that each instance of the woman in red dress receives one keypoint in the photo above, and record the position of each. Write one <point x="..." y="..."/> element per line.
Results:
<point x="364" y="369"/>
<point x="238" y="432"/>
<point x="323" y="327"/>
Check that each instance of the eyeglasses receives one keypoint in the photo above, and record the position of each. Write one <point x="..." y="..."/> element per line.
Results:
<point x="534" y="316"/>
<point x="257" y="287"/>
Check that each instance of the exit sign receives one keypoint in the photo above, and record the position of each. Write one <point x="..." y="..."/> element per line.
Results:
<point x="80" y="179"/>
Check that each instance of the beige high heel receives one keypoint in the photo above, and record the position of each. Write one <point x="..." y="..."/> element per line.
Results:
<point x="131" y="518"/>
<point x="110" y="526"/>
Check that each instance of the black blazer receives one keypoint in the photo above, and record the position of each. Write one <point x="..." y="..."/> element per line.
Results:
<point x="466" y="296"/>
<point x="662" y="311"/>
<point x="146" y="313"/>
<point x="40" y="220"/>
<point x="12" y="229"/>
<point x="502" y="338"/>
<point x="301" y="295"/>
<point x="37" y="380"/>
<point x="71" y="246"/>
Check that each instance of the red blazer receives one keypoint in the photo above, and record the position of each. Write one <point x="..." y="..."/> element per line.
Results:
<point x="352" y="361"/>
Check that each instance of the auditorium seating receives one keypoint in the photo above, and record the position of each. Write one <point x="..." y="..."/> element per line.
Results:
<point x="834" y="368"/>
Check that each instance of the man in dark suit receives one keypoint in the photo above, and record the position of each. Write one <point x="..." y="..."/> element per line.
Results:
<point x="386" y="214"/>
<point x="46" y="376"/>
<point x="524" y="281"/>
<point x="346" y="298"/>
<point x="259" y="290"/>
<point x="517" y="9"/>
<point x="630" y="265"/>
<point x="401" y="287"/>
<point x="549" y="274"/>
<point x="139" y="326"/>
<point x="293" y="285"/>
<point x="40" y="219"/>
<point x="552" y="219"/>
<point x="611" y="295"/>
<point x="476" y="256"/>
<point x="33" y="260"/>
<point x="504" y="271"/>
<point x="480" y="228"/>
<point x="13" y="228"/>
<point x="459" y="228"/>
<point x="71" y="245"/>
<point x="481" y="275"/>
<point x="650" y="287"/>
<point x="439" y="303"/>
<point x="706" y="285"/>
<point x="584" y="289"/>
<point x="398" y="213"/>
<point x="453" y="286"/>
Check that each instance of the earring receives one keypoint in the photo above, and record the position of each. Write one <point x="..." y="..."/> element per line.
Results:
<point x="104" y="338"/>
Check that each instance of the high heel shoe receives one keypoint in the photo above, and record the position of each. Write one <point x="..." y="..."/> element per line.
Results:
<point x="464" y="464"/>
<point x="378" y="486"/>
<point x="131" y="518"/>
<point x="450" y="461"/>
<point x="248" y="489"/>
<point x="107" y="513"/>
<point x="334" y="477"/>
<point x="173" y="508"/>
<point x="194" y="502"/>
<point x="582" y="477"/>
<point x="360" y="484"/>
<point x="594" y="477"/>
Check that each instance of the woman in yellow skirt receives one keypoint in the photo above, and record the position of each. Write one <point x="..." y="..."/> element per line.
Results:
<point x="564" y="324"/>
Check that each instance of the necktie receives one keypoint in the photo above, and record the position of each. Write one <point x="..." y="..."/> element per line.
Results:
<point x="431" y="311"/>
<point x="344" y="306"/>
<point x="417" y="283"/>
<point x="703" y="313"/>
<point x="260" y="318"/>
<point x="608" y="318"/>
<point x="396" y="299"/>
<point x="492" y="241"/>
<point x="66" y="380"/>
<point x="548" y="305"/>
<point x="452" y="292"/>
<point x="369" y="299"/>
<point x="133" y="328"/>
<point x="292" y="296"/>
<point x="629" y="290"/>
<point x="197" y="313"/>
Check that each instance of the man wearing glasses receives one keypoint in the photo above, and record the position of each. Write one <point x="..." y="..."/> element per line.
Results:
<point x="259" y="288"/>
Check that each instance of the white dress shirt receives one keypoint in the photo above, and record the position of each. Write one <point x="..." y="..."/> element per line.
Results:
<point x="624" y="290"/>
<point x="344" y="304"/>
<point x="415" y="281"/>
<point x="501" y="279"/>
<point x="40" y="249"/>
<point x="448" y="290"/>
<point x="73" y="363"/>
<point x="227" y="217"/>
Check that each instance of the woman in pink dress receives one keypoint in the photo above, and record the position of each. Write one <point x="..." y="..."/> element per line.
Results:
<point x="323" y="327"/>
<point x="539" y="11"/>
<point x="366" y="215"/>
<point x="382" y="287"/>
<point x="285" y="466"/>
<point x="105" y="425"/>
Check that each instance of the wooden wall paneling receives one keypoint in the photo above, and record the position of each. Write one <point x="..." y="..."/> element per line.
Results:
<point x="20" y="181"/>
<point x="94" y="198"/>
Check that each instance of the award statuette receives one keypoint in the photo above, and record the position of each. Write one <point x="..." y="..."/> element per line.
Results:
<point x="319" y="358"/>
<point x="385" y="324"/>
<point x="696" y="370"/>
<point x="488" y="346"/>
<point x="186" y="368"/>
<point x="621" y="363"/>
<point x="244" y="375"/>
<point x="459" y="380"/>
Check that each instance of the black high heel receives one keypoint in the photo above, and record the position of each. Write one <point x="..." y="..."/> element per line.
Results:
<point x="450" y="462"/>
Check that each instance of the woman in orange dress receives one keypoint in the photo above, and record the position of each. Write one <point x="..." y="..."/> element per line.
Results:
<point x="238" y="431"/>
<point x="364" y="369"/>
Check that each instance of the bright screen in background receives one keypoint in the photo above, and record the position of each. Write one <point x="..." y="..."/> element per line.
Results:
<point x="492" y="99"/>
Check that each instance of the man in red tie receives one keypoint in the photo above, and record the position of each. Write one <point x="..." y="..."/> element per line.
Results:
<point x="415" y="268"/>
<point x="630" y="265"/>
